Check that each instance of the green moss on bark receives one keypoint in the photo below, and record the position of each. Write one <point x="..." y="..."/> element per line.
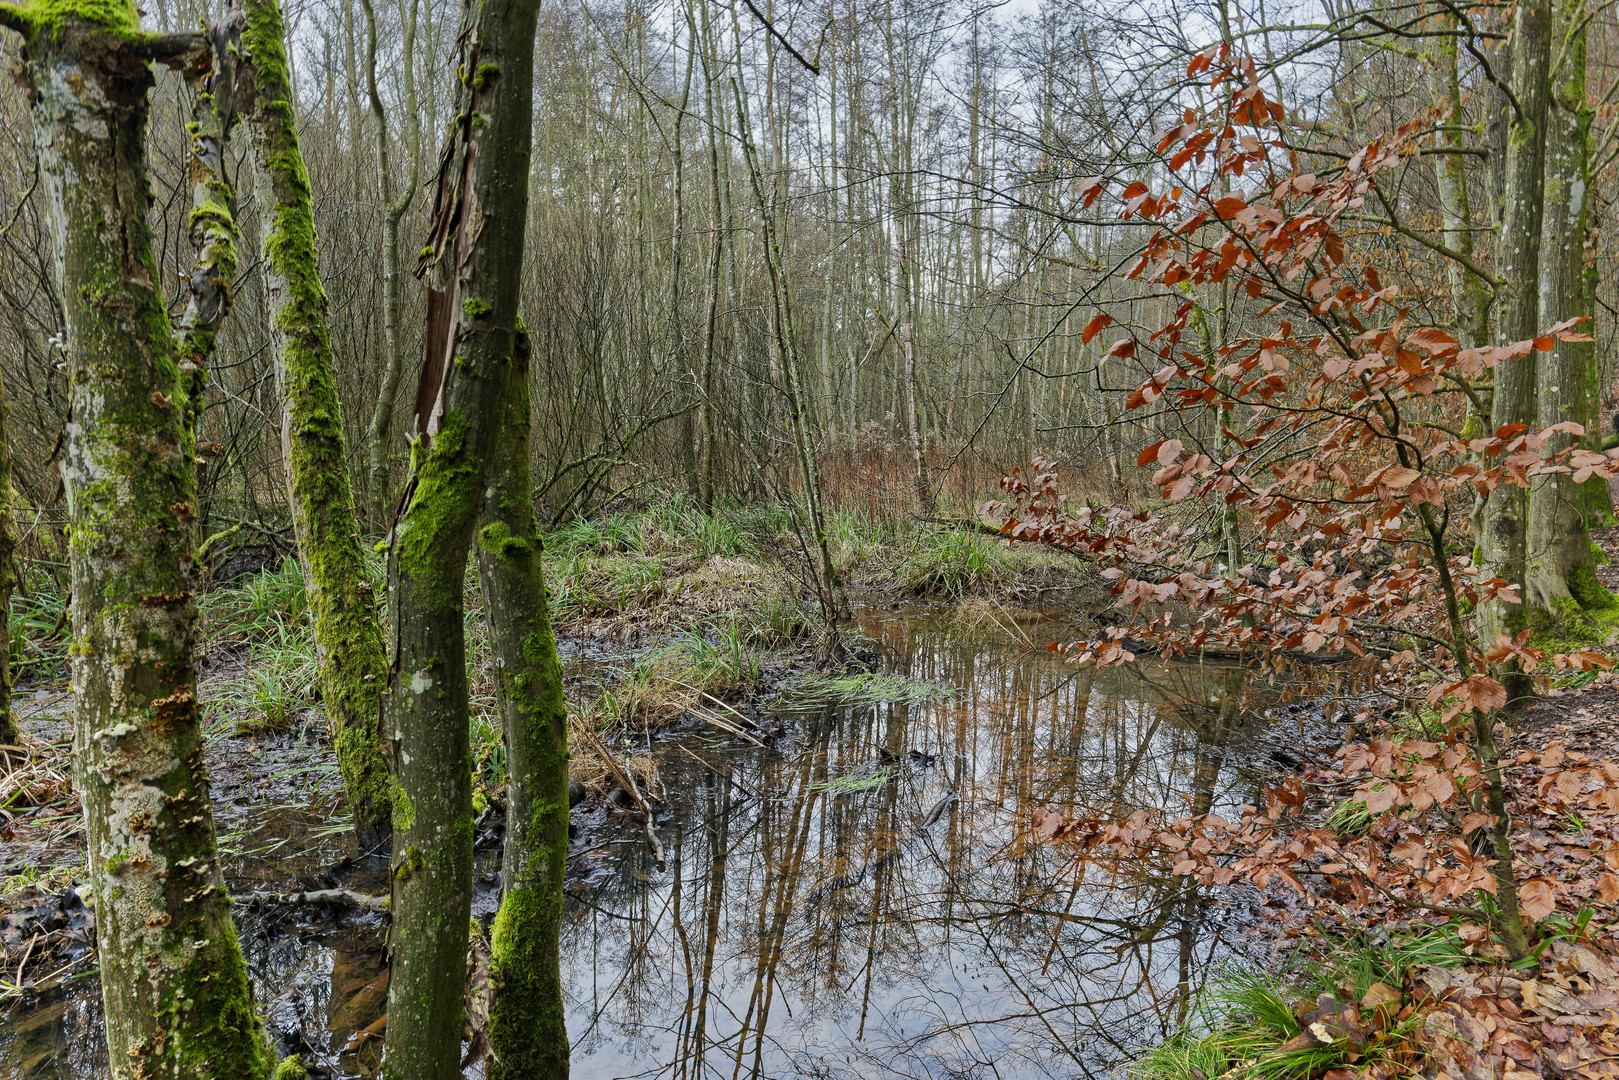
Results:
<point x="176" y="995"/>
<point x="1588" y="592"/>
<point x="348" y="632"/>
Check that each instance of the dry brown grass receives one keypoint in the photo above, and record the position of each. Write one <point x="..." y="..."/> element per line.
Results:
<point x="588" y="764"/>
<point x="718" y="588"/>
<point x="34" y="774"/>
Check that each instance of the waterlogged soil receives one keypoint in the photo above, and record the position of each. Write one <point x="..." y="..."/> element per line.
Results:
<point x="860" y="896"/>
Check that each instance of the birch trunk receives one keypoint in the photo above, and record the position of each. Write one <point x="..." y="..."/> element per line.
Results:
<point x="348" y="635"/>
<point x="474" y="260"/>
<point x="175" y="991"/>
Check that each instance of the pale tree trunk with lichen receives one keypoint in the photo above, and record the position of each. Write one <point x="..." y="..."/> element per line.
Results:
<point x="1561" y="579"/>
<point x="474" y="262"/>
<point x="348" y="633"/>
<point x="176" y="994"/>
<point x="527" y="1032"/>
<point x="1504" y="536"/>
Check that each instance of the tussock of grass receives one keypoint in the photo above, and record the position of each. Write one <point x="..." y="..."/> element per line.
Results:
<point x="590" y="769"/>
<point x="34" y="773"/>
<point x="691" y="672"/>
<point x="954" y="562"/>
<point x="1243" y="1018"/>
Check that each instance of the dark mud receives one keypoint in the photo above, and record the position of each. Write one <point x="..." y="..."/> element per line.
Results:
<point x="858" y="897"/>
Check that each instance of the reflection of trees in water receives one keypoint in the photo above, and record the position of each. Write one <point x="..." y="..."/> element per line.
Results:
<point x="822" y="930"/>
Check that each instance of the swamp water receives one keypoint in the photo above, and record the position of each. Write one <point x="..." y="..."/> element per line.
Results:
<point x="860" y="897"/>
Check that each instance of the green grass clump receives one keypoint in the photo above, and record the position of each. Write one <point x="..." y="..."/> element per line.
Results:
<point x="1350" y="818"/>
<point x="1243" y="1017"/>
<point x="44" y="878"/>
<point x="851" y="783"/>
<point x="38" y="628"/>
<point x="261" y="608"/>
<point x="955" y="562"/>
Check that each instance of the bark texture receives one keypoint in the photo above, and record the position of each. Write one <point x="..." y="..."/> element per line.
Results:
<point x="1561" y="578"/>
<point x="379" y="434"/>
<point x="8" y="544"/>
<point x="348" y="634"/>
<point x="1504" y="542"/>
<point x="526" y="1023"/>
<point x="474" y="258"/>
<point x="176" y="994"/>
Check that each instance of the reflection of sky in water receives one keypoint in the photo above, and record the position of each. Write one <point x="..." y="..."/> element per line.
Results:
<point x="820" y="930"/>
<point x="824" y="931"/>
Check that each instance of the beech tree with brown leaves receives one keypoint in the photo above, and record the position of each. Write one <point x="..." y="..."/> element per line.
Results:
<point x="1333" y="412"/>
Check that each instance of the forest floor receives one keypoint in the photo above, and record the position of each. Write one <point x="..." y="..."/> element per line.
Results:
<point x="1382" y="991"/>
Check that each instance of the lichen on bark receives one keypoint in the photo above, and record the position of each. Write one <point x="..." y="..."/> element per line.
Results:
<point x="177" y="999"/>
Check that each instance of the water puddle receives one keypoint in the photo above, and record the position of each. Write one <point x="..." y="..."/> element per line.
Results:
<point x="858" y="898"/>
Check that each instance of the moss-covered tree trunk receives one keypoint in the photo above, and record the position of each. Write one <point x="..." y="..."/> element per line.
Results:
<point x="526" y="1025"/>
<point x="176" y="993"/>
<point x="1561" y="579"/>
<point x="8" y="546"/>
<point x="1504" y="543"/>
<point x="474" y="260"/>
<point x="348" y="634"/>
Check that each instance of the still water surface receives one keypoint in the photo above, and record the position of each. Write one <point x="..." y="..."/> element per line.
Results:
<point x="859" y="898"/>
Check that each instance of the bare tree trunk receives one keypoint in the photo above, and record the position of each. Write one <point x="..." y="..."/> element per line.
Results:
<point x="1562" y="571"/>
<point x="175" y="991"/>
<point x="474" y="258"/>
<point x="527" y="1032"/>
<point x="834" y="603"/>
<point x="1504" y="539"/>
<point x="380" y="432"/>
<point x="1468" y="290"/>
<point x="348" y="634"/>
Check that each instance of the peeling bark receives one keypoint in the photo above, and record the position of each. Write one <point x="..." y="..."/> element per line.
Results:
<point x="348" y="634"/>
<point x="176" y="994"/>
<point x="474" y="259"/>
